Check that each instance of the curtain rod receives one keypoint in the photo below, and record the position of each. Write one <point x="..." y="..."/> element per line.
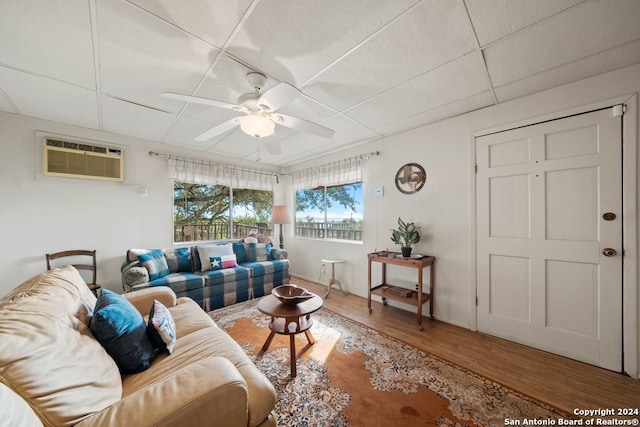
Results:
<point x="363" y="156"/>
<point x="195" y="161"/>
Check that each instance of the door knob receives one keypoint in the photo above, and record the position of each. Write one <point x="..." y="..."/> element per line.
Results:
<point x="609" y="252"/>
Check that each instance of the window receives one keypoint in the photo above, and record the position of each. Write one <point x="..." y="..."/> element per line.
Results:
<point x="217" y="212"/>
<point x="330" y="212"/>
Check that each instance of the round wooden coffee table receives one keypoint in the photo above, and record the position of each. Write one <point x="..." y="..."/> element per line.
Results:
<point x="289" y="320"/>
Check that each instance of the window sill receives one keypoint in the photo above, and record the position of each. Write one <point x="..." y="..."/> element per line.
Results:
<point x="348" y="242"/>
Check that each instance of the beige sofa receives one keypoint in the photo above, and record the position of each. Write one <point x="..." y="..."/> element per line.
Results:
<point x="54" y="372"/>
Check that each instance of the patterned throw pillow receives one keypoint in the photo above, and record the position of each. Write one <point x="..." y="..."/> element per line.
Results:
<point x="206" y="252"/>
<point x="178" y="259"/>
<point x="258" y="252"/>
<point x="224" y="261"/>
<point x="121" y="330"/>
<point x="155" y="262"/>
<point x="161" y="328"/>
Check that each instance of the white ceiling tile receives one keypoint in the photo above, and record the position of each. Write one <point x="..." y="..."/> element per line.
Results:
<point x="563" y="39"/>
<point x="186" y="129"/>
<point x="603" y="62"/>
<point x="51" y="38"/>
<point x="456" y="80"/>
<point x="434" y="34"/>
<point x="129" y="119"/>
<point x="50" y="99"/>
<point x="461" y="106"/>
<point x="210" y="20"/>
<point x="347" y="129"/>
<point x="294" y="40"/>
<point x="142" y="56"/>
<point x="495" y="19"/>
<point x="308" y="109"/>
<point x="228" y="80"/>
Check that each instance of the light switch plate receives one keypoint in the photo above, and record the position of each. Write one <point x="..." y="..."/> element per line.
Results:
<point x="377" y="191"/>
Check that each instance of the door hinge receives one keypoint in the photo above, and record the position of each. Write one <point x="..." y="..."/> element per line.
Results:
<point x="476" y="299"/>
<point x="475" y="167"/>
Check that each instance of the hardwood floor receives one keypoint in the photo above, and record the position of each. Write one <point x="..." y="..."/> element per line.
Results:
<point x="555" y="380"/>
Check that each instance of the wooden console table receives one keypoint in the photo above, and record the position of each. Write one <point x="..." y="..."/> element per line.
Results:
<point x="397" y="293"/>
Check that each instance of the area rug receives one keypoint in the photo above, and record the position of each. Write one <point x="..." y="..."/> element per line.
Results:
<point x="356" y="376"/>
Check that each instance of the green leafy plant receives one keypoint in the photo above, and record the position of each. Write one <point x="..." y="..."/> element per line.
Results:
<point x="406" y="234"/>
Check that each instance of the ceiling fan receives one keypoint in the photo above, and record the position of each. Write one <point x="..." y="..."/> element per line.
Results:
<point x="260" y="112"/>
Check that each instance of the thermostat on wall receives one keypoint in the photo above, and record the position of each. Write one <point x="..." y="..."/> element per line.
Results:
<point x="377" y="192"/>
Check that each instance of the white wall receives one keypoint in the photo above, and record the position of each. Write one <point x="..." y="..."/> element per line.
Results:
<point x="41" y="214"/>
<point x="443" y="208"/>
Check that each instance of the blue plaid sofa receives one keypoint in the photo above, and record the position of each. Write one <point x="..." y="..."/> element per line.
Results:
<point x="214" y="275"/>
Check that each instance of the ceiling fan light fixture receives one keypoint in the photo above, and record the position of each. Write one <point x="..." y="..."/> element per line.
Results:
<point x="256" y="125"/>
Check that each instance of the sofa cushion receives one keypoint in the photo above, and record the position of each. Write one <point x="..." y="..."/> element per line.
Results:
<point x="44" y="326"/>
<point x="206" y="252"/>
<point x="178" y="259"/>
<point x="226" y="275"/>
<point x="180" y="282"/>
<point x="15" y="411"/>
<point x="161" y="327"/>
<point x="121" y="330"/>
<point x="266" y="267"/>
<point x="224" y="261"/>
<point x="155" y="262"/>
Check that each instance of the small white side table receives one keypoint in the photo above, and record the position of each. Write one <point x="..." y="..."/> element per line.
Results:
<point x="333" y="280"/>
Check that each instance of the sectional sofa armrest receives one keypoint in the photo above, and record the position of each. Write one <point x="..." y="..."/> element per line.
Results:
<point x="133" y="275"/>
<point x="210" y="390"/>
<point x="277" y="253"/>
<point x="143" y="299"/>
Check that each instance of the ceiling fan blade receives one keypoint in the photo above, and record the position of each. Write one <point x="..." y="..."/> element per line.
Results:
<point x="205" y="101"/>
<point x="278" y="96"/>
<point x="302" y="125"/>
<point x="218" y="130"/>
<point x="273" y="146"/>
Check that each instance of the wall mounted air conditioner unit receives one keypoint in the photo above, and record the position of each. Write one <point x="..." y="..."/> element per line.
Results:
<point x="85" y="160"/>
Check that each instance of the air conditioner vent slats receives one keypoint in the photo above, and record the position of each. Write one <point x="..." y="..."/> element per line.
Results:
<point x="82" y="160"/>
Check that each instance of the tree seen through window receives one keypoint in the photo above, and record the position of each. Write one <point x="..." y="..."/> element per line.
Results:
<point x="216" y="212"/>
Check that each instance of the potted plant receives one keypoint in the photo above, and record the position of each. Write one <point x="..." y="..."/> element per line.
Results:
<point x="406" y="235"/>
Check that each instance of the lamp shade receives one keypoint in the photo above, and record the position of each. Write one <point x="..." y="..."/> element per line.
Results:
<point x="280" y="215"/>
<point x="256" y="125"/>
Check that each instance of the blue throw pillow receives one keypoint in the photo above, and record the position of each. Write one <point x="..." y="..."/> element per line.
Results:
<point x="178" y="259"/>
<point x="121" y="330"/>
<point x="155" y="262"/>
<point x="240" y="250"/>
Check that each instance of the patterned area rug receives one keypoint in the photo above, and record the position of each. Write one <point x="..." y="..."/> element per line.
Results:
<point x="356" y="376"/>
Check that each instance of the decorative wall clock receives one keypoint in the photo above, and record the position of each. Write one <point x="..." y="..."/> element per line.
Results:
<point x="410" y="178"/>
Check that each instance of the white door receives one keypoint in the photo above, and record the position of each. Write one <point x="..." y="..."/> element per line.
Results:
<point x="542" y="195"/>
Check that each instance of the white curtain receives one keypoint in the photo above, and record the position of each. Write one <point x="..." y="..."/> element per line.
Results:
<point x="195" y="172"/>
<point x="345" y="171"/>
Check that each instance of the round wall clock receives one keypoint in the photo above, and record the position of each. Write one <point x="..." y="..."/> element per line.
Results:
<point x="410" y="178"/>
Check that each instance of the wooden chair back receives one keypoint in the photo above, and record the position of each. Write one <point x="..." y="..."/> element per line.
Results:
<point x="88" y="266"/>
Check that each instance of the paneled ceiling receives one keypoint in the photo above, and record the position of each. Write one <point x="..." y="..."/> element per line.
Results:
<point x="366" y="68"/>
